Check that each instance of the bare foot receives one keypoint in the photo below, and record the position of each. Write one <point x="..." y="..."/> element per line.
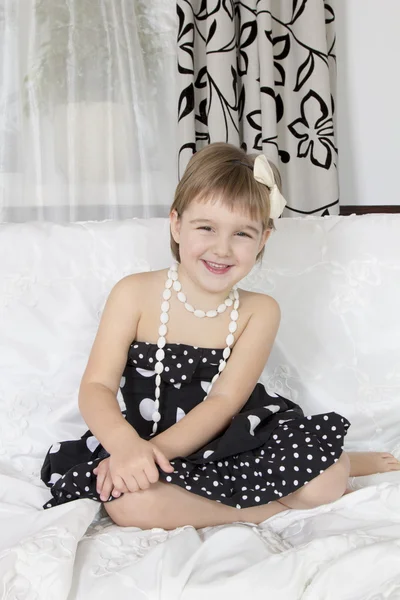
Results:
<point x="368" y="463"/>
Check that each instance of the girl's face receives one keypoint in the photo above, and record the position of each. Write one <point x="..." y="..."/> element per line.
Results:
<point x="217" y="246"/>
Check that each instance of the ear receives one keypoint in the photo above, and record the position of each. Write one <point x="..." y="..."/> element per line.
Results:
<point x="264" y="239"/>
<point x="175" y="224"/>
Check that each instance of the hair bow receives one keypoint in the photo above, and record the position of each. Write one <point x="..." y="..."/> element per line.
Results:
<point x="264" y="174"/>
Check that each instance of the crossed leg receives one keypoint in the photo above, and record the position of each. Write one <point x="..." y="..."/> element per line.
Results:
<point x="168" y="506"/>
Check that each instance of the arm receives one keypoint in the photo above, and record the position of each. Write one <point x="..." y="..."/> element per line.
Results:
<point x="100" y="383"/>
<point x="232" y="389"/>
<point x="132" y="459"/>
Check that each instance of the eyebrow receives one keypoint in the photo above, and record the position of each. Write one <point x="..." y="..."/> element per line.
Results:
<point x="208" y="221"/>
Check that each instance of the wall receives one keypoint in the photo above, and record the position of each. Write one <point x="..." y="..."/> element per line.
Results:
<point x="368" y="101"/>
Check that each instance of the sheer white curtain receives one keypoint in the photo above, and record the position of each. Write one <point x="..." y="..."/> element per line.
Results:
<point x="87" y="109"/>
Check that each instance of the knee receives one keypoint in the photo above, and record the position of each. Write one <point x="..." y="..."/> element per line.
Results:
<point x="137" y="509"/>
<point x="329" y="486"/>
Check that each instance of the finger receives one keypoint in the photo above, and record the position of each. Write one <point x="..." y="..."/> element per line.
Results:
<point x="106" y="489"/>
<point x="162" y="461"/>
<point x="152" y="474"/>
<point x="118" y="483"/>
<point x="120" y="490"/>
<point x="141" y="480"/>
<point x="101" y="476"/>
<point x="131" y="483"/>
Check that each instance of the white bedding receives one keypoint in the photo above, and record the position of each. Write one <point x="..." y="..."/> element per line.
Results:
<point x="338" y="348"/>
<point x="346" y="550"/>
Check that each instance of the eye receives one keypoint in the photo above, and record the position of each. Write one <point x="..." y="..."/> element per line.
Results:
<point x="205" y="227"/>
<point x="243" y="234"/>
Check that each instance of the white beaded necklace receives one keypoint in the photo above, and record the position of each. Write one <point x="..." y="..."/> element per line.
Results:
<point x="173" y="282"/>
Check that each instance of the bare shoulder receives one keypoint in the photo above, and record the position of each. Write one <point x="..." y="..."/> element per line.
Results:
<point x="259" y="306"/>
<point x="136" y="285"/>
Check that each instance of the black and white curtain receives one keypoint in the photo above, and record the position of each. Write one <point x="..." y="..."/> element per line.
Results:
<point x="261" y="74"/>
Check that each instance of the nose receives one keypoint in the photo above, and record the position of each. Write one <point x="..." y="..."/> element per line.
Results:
<point x="222" y="247"/>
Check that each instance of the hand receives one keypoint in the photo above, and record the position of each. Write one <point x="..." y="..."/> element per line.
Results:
<point x="133" y="467"/>
<point x="104" y="485"/>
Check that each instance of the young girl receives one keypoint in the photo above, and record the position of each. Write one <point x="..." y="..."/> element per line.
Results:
<point x="202" y="443"/>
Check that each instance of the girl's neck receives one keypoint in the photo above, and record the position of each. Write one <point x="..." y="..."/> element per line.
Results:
<point x="197" y="296"/>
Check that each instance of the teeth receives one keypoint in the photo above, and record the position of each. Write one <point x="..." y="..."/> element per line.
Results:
<point x="215" y="266"/>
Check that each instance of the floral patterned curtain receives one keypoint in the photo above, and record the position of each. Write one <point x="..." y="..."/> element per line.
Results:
<point x="261" y="74"/>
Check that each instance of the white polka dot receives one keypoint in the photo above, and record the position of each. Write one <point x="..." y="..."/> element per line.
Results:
<point x="208" y="453"/>
<point x="326" y="417"/>
<point x="75" y="474"/>
<point x="295" y="446"/>
<point x="204" y="360"/>
<point x="301" y="426"/>
<point x="166" y="369"/>
<point x="333" y="428"/>
<point x="190" y="360"/>
<point x="257" y="498"/>
<point x="188" y="487"/>
<point x="309" y="471"/>
<point x="172" y="380"/>
<point x="174" y="356"/>
<point x="323" y="458"/>
<point x="140" y="355"/>
<point x="296" y="455"/>
<point x="309" y="456"/>
<point x="281" y="468"/>
<point x="146" y="408"/>
<point x="54" y="478"/>
<point x="183" y="377"/>
<point x="254" y="422"/>
<point x="88" y="474"/>
<point x="48" y="505"/>
<point x="87" y="488"/>
<point x="308" y="440"/>
<point x="215" y="483"/>
<point x="318" y="427"/>
<point x="180" y="413"/>
<point x="92" y="443"/>
<point x="55" y="448"/>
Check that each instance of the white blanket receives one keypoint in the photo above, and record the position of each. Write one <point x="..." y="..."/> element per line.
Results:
<point x="346" y="550"/>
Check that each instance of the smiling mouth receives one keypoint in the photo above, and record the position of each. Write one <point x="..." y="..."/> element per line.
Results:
<point x="216" y="267"/>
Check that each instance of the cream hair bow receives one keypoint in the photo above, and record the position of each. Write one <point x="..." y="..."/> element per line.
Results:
<point x="264" y="174"/>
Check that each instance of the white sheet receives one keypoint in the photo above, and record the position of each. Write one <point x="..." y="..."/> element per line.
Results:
<point x="347" y="550"/>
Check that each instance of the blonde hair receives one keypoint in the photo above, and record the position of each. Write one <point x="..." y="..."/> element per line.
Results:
<point x="224" y="172"/>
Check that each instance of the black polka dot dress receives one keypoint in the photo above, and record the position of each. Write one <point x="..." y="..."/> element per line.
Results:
<point x="269" y="450"/>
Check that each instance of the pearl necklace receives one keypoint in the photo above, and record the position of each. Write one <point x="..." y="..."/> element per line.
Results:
<point x="173" y="282"/>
